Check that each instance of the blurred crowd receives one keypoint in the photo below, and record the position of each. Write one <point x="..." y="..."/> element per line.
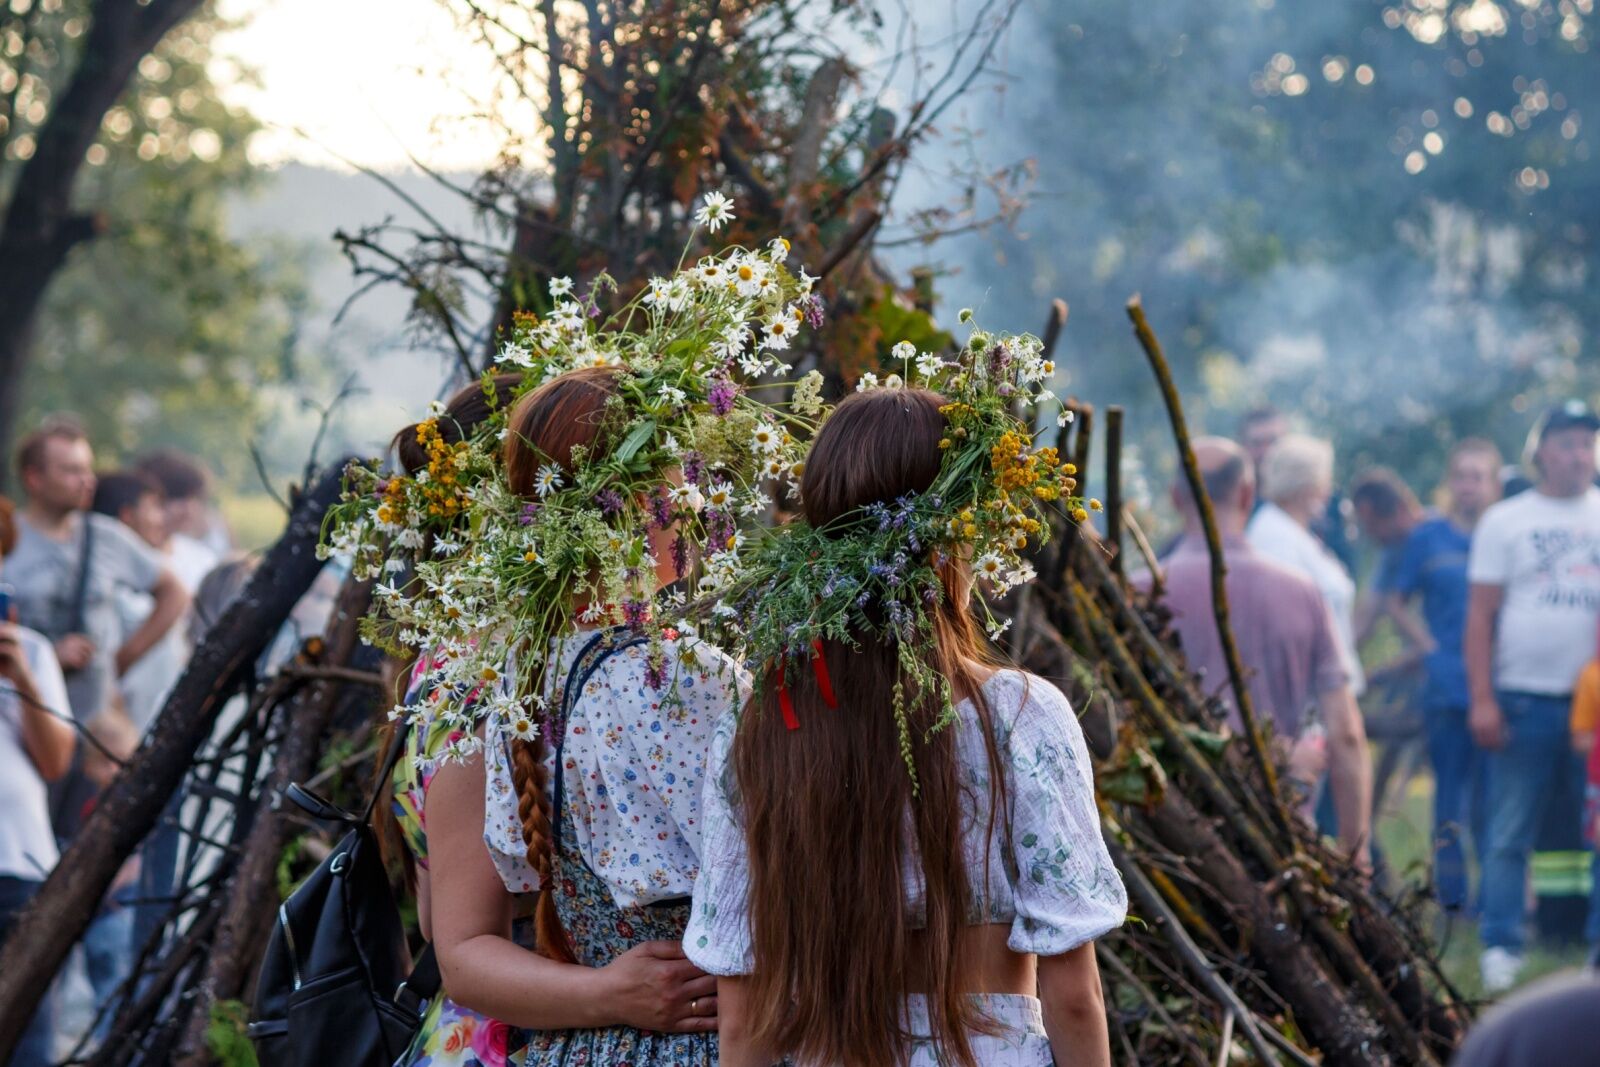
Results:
<point x="1492" y="593"/>
<point x="105" y="578"/>
<point x="1494" y="597"/>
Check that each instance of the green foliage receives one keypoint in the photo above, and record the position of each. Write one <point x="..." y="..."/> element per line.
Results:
<point x="1378" y="216"/>
<point x="227" y="1034"/>
<point x="163" y="330"/>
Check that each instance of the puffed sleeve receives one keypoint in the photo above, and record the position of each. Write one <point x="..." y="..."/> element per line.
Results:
<point x="1067" y="891"/>
<point x="717" y="939"/>
<point x="502" y="825"/>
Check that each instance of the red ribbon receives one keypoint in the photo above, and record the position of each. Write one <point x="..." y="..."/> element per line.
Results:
<point x="824" y="683"/>
<point x="787" y="706"/>
<point x="824" y="687"/>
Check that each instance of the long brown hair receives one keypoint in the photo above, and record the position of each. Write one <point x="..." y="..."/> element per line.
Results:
<point x="827" y="808"/>
<point x="561" y="415"/>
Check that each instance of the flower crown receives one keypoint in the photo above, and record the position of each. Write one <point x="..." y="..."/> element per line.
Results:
<point x="471" y="570"/>
<point x="874" y="573"/>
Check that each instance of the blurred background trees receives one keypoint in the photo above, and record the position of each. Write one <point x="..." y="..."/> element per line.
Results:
<point x="1378" y="215"/>
<point x="125" y="298"/>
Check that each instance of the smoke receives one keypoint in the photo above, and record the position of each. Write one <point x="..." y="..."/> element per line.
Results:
<point x="1320" y="207"/>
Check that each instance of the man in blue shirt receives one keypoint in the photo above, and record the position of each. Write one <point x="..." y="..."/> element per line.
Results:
<point x="1432" y="566"/>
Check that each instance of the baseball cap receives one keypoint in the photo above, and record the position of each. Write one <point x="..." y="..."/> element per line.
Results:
<point x="1565" y="416"/>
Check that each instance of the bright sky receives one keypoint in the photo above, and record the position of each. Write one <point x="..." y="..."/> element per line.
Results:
<point x="367" y="79"/>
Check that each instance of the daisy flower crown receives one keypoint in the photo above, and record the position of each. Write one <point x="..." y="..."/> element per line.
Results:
<point x="686" y="457"/>
<point x="873" y="574"/>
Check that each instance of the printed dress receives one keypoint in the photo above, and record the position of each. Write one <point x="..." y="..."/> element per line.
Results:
<point x="626" y="765"/>
<point x="450" y="1035"/>
<point x="1055" y="884"/>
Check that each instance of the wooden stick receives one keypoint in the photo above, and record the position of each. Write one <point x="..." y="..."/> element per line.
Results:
<point x="1113" y="500"/>
<point x="1142" y="543"/>
<point x="245" y="925"/>
<point x="1054" y="322"/>
<point x="1172" y="930"/>
<point x="1219" y="567"/>
<point x="1112" y="962"/>
<point x="59" y="913"/>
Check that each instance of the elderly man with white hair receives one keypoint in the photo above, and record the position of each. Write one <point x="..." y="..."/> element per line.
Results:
<point x="1296" y="481"/>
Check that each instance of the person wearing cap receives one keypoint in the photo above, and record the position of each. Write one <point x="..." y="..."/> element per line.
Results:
<point x="1532" y="614"/>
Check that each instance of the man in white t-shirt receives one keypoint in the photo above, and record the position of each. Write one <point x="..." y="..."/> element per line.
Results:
<point x="1532" y="620"/>
<point x="36" y="747"/>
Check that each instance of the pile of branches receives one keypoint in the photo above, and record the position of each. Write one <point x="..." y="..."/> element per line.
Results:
<point x="1252" y="939"/>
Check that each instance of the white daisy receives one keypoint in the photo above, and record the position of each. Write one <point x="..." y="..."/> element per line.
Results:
<point x="778" y="332"/>
<point x="715" y="210"/>
<point x="867" y="381"/>
<point x="765" y="439"/>
<point x="560" y="287"/>
<point x="990" y="566"/>
<point x="904" y="351"/>
<point x="547" y="481"/>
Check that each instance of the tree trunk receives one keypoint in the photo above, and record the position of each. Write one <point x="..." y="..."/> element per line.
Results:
<point x="242" y="933"/>
<point x="39" y="227"/>
<point x="131" y="805"/>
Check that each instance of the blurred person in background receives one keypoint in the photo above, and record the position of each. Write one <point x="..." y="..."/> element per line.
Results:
<point x="1552" y="1023"/>
<point x="69" y="565"/>
<point x="69" y="569"/>
<point x="1532" y="616"/>
<point x="1386" y="512"/>
<point x="1295" y="673"/>
<point x="1259" y="429"/>
<point x="1430" y="567"/>
<point x="135" y="499"/>
<point x="36" y="747"/>
<point x="1297" y="480"/>
<point x="198" y="538"/>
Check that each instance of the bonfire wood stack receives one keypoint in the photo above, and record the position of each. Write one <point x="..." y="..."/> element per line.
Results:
<point x="1252" y="941"/>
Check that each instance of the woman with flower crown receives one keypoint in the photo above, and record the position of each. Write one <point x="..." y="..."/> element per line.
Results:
<point x="902" y="860"/>
<point x="596" y="808"/>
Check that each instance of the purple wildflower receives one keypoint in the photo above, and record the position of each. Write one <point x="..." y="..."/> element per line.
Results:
<point x="530" y="511"/>
<point x="661" y="509"/>
<point x="610" y="501"/>
<point x="814" y="311"/>
<point x="680" y="556"/>
<point x="634" y="613"/>
<point x="655" y="669"/>
<point x="594" y="309"/>
<point x="722" y="396"/>
<point x="694" y="465"/>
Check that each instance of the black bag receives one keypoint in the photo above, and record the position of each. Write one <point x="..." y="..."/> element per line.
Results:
<point x="334" y="986"/>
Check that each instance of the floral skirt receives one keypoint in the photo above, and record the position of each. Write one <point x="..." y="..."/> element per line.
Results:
<point x="453" y="1036"/>
<point x="600" y="932"/>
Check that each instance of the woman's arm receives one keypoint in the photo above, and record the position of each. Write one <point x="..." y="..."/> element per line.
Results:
<point x="652" y="986"/>
<point x="1074" y="1008"/>
<point x="735" y="1043"/>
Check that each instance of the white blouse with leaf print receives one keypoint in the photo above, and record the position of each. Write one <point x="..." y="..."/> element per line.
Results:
<point x="1056" y="886"/>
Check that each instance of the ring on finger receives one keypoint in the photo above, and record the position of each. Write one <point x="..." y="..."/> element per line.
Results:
<point x="694" y="1006"/>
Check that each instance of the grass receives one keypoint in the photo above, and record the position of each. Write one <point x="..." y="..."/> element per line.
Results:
<point x="1403" y="832"/>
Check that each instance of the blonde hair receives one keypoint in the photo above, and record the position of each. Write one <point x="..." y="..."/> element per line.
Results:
<point x="1296" y="463"/>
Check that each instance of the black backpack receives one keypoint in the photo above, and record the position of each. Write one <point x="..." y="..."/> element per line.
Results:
<point x="334" y="985"/>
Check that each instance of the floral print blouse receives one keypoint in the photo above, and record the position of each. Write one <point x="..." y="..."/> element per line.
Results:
<point x="1056" y="886"/>
<point x="634" y="763"/>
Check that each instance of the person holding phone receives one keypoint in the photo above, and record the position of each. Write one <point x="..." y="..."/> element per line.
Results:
<point x="36" y="747"/>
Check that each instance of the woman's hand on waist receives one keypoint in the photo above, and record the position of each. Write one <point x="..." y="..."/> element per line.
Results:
<point x="653" y="986"/>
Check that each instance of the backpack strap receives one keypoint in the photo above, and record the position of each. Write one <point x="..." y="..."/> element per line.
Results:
<point x="397" y="745"/>
<point x="601" y="647"/>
